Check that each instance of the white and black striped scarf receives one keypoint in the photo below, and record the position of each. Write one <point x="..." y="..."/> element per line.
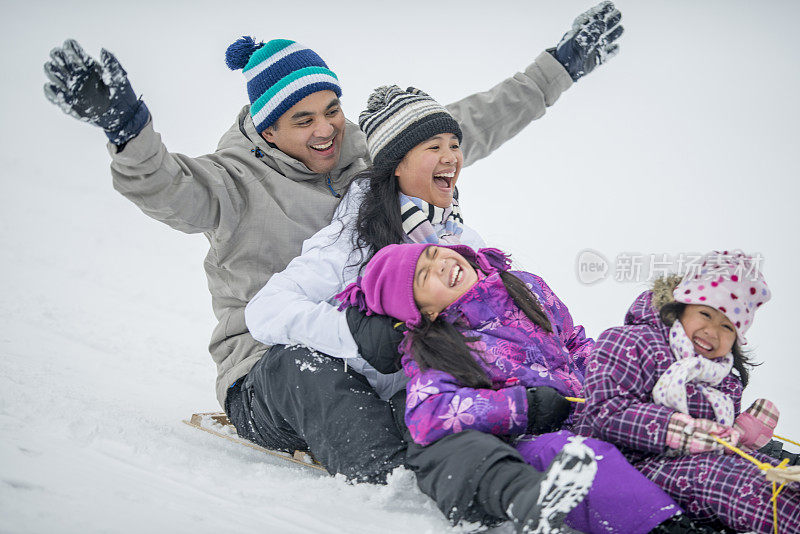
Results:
<point x="419" y="217"/>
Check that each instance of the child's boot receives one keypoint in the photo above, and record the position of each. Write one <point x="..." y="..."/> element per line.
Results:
<point x="541" y="508"/>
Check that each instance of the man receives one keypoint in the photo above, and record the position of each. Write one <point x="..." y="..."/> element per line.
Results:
<point x="275" y="179"/>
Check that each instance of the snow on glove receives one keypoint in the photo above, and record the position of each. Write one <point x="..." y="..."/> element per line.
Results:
<point x="98" y="94"/>
<point x="377" y="339"/>
<point x="547" y="410"/>
<point x="591" y="41"/>
<point x="757" y="423"/>
<point x="687" y="435"/>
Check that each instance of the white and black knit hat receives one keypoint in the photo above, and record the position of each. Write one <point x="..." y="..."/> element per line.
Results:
<point x="396" y="121"/>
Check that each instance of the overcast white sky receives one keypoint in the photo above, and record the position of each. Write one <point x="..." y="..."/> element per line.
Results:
<point x="684" y="143"/>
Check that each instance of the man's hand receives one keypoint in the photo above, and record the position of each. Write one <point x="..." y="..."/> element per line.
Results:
<point x="591" y="41"/>
<point x="98" y="94"/>
<point x="377" y="339"/>
<point x="547" y="410"/>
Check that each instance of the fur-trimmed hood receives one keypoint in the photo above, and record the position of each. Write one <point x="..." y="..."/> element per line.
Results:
<point x="645" y="309"/>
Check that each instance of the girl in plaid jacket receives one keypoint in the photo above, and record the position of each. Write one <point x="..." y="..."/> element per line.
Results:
<point x="665" y="384"/>
<point x="495" y="351"/>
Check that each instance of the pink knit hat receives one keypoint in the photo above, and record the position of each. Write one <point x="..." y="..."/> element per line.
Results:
<point x="387" y="287"/>
<point x="730" y="282"/>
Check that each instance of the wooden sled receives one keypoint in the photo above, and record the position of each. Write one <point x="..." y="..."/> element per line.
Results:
<point x="217" y="423"/>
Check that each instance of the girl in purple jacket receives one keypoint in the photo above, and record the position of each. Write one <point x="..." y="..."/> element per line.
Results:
<point x="496" y="351"/>
<point x="662" y="386"/>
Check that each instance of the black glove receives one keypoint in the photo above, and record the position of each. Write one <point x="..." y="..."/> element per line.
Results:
<point x="591" y="41"/>
<point x="547" y="410"/>
<point x="775" y="450"/>
<point x="100" y="95"/>
<point x="377" y="339"/>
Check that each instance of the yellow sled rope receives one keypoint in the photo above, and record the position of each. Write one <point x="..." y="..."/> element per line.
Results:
<point x="774" y="473"/>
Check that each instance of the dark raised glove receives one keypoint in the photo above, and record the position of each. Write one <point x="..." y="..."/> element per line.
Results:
<point x="547" y="410"/>
<point x="591" y="41"/>
<point x="377" y="339"/>
<point x="98" y="94"/>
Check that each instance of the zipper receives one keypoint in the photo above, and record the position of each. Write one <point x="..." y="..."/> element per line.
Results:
<point x="260" y="154"/>
<point x="330" y="187"/>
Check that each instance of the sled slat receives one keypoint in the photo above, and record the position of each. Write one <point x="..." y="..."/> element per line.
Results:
<point x="201" y="421"/>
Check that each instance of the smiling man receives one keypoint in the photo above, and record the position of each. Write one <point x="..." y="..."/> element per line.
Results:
<point x="311" y="131"/>
<point x="274" y="180"/>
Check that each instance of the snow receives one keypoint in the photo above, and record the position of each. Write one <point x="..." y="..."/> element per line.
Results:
<point x="684" y="142"/>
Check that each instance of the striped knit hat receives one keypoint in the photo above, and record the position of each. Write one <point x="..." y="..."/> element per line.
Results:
<point x="279" y="74"/>
<point x="396" y="121"/>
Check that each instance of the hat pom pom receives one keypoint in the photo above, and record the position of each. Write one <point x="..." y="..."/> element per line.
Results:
<point x="238" y="54"/>
<point x="379" y="97"/>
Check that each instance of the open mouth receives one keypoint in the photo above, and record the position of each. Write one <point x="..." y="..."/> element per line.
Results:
<point x="456" y="275"/>
<point x="702" y="344"/>
<point x="444" y="179"/>
<point x="324" y="148"/>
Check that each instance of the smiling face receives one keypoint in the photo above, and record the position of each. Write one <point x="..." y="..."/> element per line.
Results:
<point x="441" y="276"/>
<point x="430" y="170"/>
<point x="311" y="131"/>
<point x="711" y="332"/>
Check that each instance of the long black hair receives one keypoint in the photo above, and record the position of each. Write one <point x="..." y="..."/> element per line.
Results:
<point x="378" y="223"/>
<point x="742" y="361"/>
<point x="439" y="344"/>
<point x="434" y="344"/>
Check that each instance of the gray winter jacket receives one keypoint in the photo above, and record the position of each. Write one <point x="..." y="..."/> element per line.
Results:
<point x="257" y="211"/>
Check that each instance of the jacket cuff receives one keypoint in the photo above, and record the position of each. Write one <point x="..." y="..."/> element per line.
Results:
<point x="132" y="128"/>
<point x="518" y="422"/>
<point x="551" y="76"/>
<point x="141" y="147"/>
<point x="349" y="347"/>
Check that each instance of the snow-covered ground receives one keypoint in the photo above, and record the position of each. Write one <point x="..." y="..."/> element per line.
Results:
<point x="685" y="142"/>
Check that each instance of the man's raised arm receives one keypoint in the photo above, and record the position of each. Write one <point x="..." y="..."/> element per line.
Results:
<point x="190" y="194"/>
<point x="491" y="118"/>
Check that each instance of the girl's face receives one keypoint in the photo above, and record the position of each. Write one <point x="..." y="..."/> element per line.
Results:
<point x="430" y="170"/>
<point x="442" y="275"/>
<point x="710" y="330"/>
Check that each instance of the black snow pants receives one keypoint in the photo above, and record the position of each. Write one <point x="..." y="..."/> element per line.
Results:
<point x="297" y="399"/>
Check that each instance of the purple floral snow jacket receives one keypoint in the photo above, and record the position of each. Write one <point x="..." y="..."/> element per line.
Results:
<point x="515" y="353"/>
<point x="620" y="375"/>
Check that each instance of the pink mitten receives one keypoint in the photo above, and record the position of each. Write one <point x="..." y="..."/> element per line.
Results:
<point x="757" y="423"/>
<point x="688" y="435"/>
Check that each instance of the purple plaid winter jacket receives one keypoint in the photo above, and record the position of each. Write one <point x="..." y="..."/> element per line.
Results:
<point x="620" y="375"/>
<point x="515" y="353"/>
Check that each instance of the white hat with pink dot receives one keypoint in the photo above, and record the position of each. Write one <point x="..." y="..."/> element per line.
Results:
<point x="730" y="282"/>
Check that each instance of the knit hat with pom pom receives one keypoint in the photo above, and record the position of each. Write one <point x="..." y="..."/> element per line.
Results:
<point x="279" y="74"/>
<point x="396" y="121"/>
